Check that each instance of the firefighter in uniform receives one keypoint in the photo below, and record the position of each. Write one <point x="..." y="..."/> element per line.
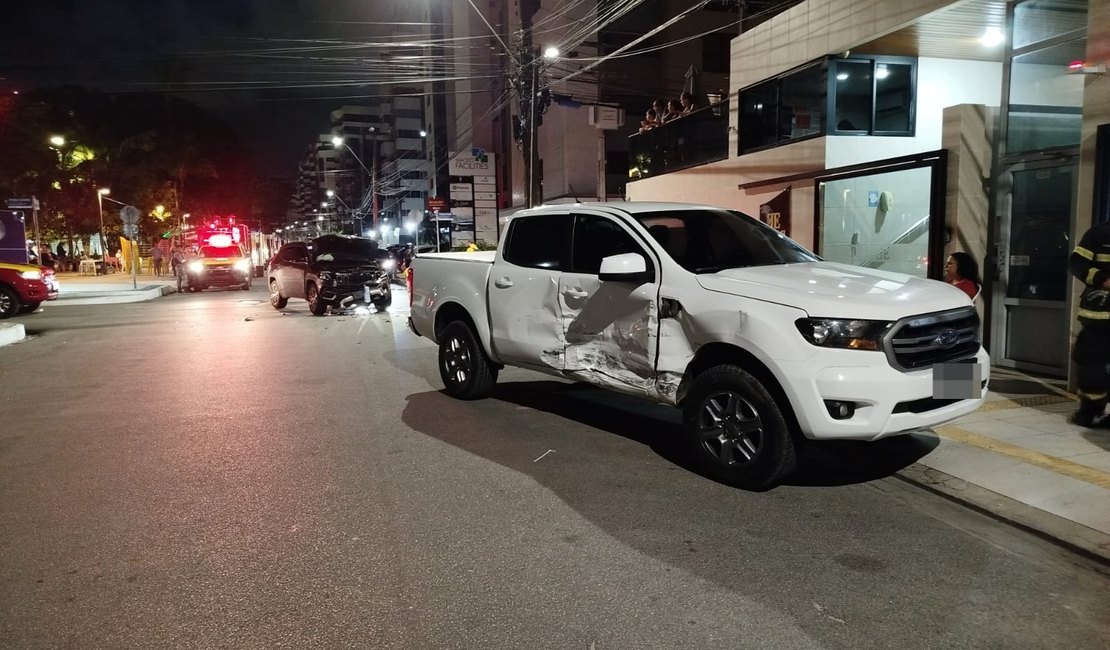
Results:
<point x="1090" y="263"/>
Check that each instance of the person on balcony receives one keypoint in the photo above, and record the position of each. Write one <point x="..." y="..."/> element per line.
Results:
<point x="649" y="122"/>
<point x="686" y="101"/>
<point x="674" y="111"/>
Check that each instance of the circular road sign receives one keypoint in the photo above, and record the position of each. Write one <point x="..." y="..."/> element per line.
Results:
<point x="129" y="215"/>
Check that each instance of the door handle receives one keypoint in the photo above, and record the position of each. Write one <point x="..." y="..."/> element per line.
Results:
<point x="576" y="293"/>
<point x="502" y="283"/>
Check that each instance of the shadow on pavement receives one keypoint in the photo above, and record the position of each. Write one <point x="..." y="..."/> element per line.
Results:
<point x="660" y="428"/>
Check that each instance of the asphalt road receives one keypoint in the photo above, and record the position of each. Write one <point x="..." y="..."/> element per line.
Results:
<point x="203" y="471"/>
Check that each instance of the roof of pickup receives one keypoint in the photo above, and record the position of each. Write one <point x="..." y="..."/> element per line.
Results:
<point x="630" y="207"/>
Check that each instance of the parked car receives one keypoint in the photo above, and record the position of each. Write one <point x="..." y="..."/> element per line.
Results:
<point x="759" y="342"/>
<point x="23" y="287"/>
<point x="333" y="271"/>
<point x="219" y="266"/>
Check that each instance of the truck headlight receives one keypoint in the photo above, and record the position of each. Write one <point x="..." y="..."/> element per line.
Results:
<point x="843" y="333"/>
<point x="196" y="266"/>
<point x="326" y="276"/>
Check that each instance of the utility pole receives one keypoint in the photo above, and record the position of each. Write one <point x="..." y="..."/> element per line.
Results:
<point x="528" y="90"/>
<point x="374" y="184"/>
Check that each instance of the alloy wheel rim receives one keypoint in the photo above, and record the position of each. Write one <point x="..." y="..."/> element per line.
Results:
<point x="730" y="428"/>
<point x="456" y="360"/>
<point x="6" y="303"/>
<point x="273" y="292"/>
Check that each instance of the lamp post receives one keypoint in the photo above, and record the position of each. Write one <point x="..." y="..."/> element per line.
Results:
<point x="332" y="195"/>
<point x="100" y="194"/>
<point x="337" y="141"/>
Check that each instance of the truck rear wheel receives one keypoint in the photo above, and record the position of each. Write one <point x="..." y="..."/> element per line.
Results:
<point x="735" y="430"/>
<point x="463" y="366"/>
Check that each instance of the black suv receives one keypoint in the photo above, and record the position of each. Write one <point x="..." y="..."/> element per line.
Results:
<point x="336" y="271"/>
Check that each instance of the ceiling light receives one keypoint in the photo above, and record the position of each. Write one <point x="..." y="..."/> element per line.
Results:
<point x="843" y="76"/>
<point x="992" y="37"/>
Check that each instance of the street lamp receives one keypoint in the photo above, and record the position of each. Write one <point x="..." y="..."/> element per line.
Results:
<point x="332" y="195"/>
<point x="374" y="132"/>
<point x="57" y="141"/>
<point x="100" y="194"/>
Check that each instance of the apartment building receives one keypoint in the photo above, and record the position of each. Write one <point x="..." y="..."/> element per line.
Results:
<point x="889" y="133"/>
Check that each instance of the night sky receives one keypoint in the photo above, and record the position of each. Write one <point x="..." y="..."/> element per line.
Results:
<point x="271" y="69"/>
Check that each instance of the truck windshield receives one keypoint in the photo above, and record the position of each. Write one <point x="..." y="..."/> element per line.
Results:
<point x="335" y="248"/>
<point x="708" y="240"/>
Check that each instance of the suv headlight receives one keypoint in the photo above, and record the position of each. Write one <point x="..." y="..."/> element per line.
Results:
<point x="242" y="265"/>
<point x="196" y="266"/>
<point x="843" y="333"/>
<point x="31" y="275"/>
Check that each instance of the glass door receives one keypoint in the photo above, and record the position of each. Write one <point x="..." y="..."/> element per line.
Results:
<point x="1030" y="313"/>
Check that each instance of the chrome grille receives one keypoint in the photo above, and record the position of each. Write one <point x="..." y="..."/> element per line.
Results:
<point x="918" y="342"/>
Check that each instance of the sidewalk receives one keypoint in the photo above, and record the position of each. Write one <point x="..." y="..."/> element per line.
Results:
<point x="77" y="289"/>
<point x="1017" y="458"/>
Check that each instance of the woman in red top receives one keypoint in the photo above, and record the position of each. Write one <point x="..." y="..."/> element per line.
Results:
<point x="961" y="271"/>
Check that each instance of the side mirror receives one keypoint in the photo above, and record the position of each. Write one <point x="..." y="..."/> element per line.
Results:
<point x="626" y="267"/>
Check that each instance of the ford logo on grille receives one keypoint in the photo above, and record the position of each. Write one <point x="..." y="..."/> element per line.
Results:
<point x="947" y="338"/>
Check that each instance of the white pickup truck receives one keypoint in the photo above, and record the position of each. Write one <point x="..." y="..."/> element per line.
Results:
<point x="758" y="341"/>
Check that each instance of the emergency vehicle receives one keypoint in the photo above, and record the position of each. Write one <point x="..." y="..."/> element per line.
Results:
<point x="222" y="255"/>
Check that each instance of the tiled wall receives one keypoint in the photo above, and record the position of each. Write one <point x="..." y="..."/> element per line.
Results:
<point x="816" y="28"/>
<point x="853" y="210"/>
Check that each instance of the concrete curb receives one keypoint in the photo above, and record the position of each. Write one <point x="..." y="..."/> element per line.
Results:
<point x="90" y="294"/>
<point x="1077" y="538"/>
<point x="11" y="333"/>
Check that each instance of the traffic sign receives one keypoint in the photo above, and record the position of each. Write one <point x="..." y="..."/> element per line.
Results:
<point x="15" y="204"/>
<point x="436" y="204"/>
<point x="130" y="230"/>
<point x="129" y="215"/>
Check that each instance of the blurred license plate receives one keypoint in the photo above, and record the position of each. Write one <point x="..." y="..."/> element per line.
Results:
<point x="957" y="381"/>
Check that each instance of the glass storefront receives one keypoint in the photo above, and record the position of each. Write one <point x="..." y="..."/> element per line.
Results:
<point x="1036" y="186"/>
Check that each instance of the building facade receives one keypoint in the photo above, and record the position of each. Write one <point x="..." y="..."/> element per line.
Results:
<point x="890" y="133"/>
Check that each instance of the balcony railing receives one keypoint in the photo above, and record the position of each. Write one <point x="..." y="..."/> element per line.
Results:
<point x="697" y="139"/>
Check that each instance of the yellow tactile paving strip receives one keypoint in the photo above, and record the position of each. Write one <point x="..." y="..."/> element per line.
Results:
<point x="1044" y="461"/>
<point x="1018" y="402"/>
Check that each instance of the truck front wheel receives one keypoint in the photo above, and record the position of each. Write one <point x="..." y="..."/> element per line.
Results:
<point x="463" y="366"/>
<point x="9" y="303"/>
<point x="735" y="430"/>
<point x="316" y="304"/>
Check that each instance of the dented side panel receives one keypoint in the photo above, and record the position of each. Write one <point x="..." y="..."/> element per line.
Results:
<point x="611" y="331"/>
<point x="524" y="316"/>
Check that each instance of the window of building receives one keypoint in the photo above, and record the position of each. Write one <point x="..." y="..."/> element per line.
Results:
<point x="784" y="109"/>
<point x="1045" y="107"/>
<point x="1039" y="20"/>
<point x="858" y="96"/>
<point x="409" y="112"/>
<point x="873" y="96"/>
<point x="414" y="174"/>
<point x="408" y="133"/>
